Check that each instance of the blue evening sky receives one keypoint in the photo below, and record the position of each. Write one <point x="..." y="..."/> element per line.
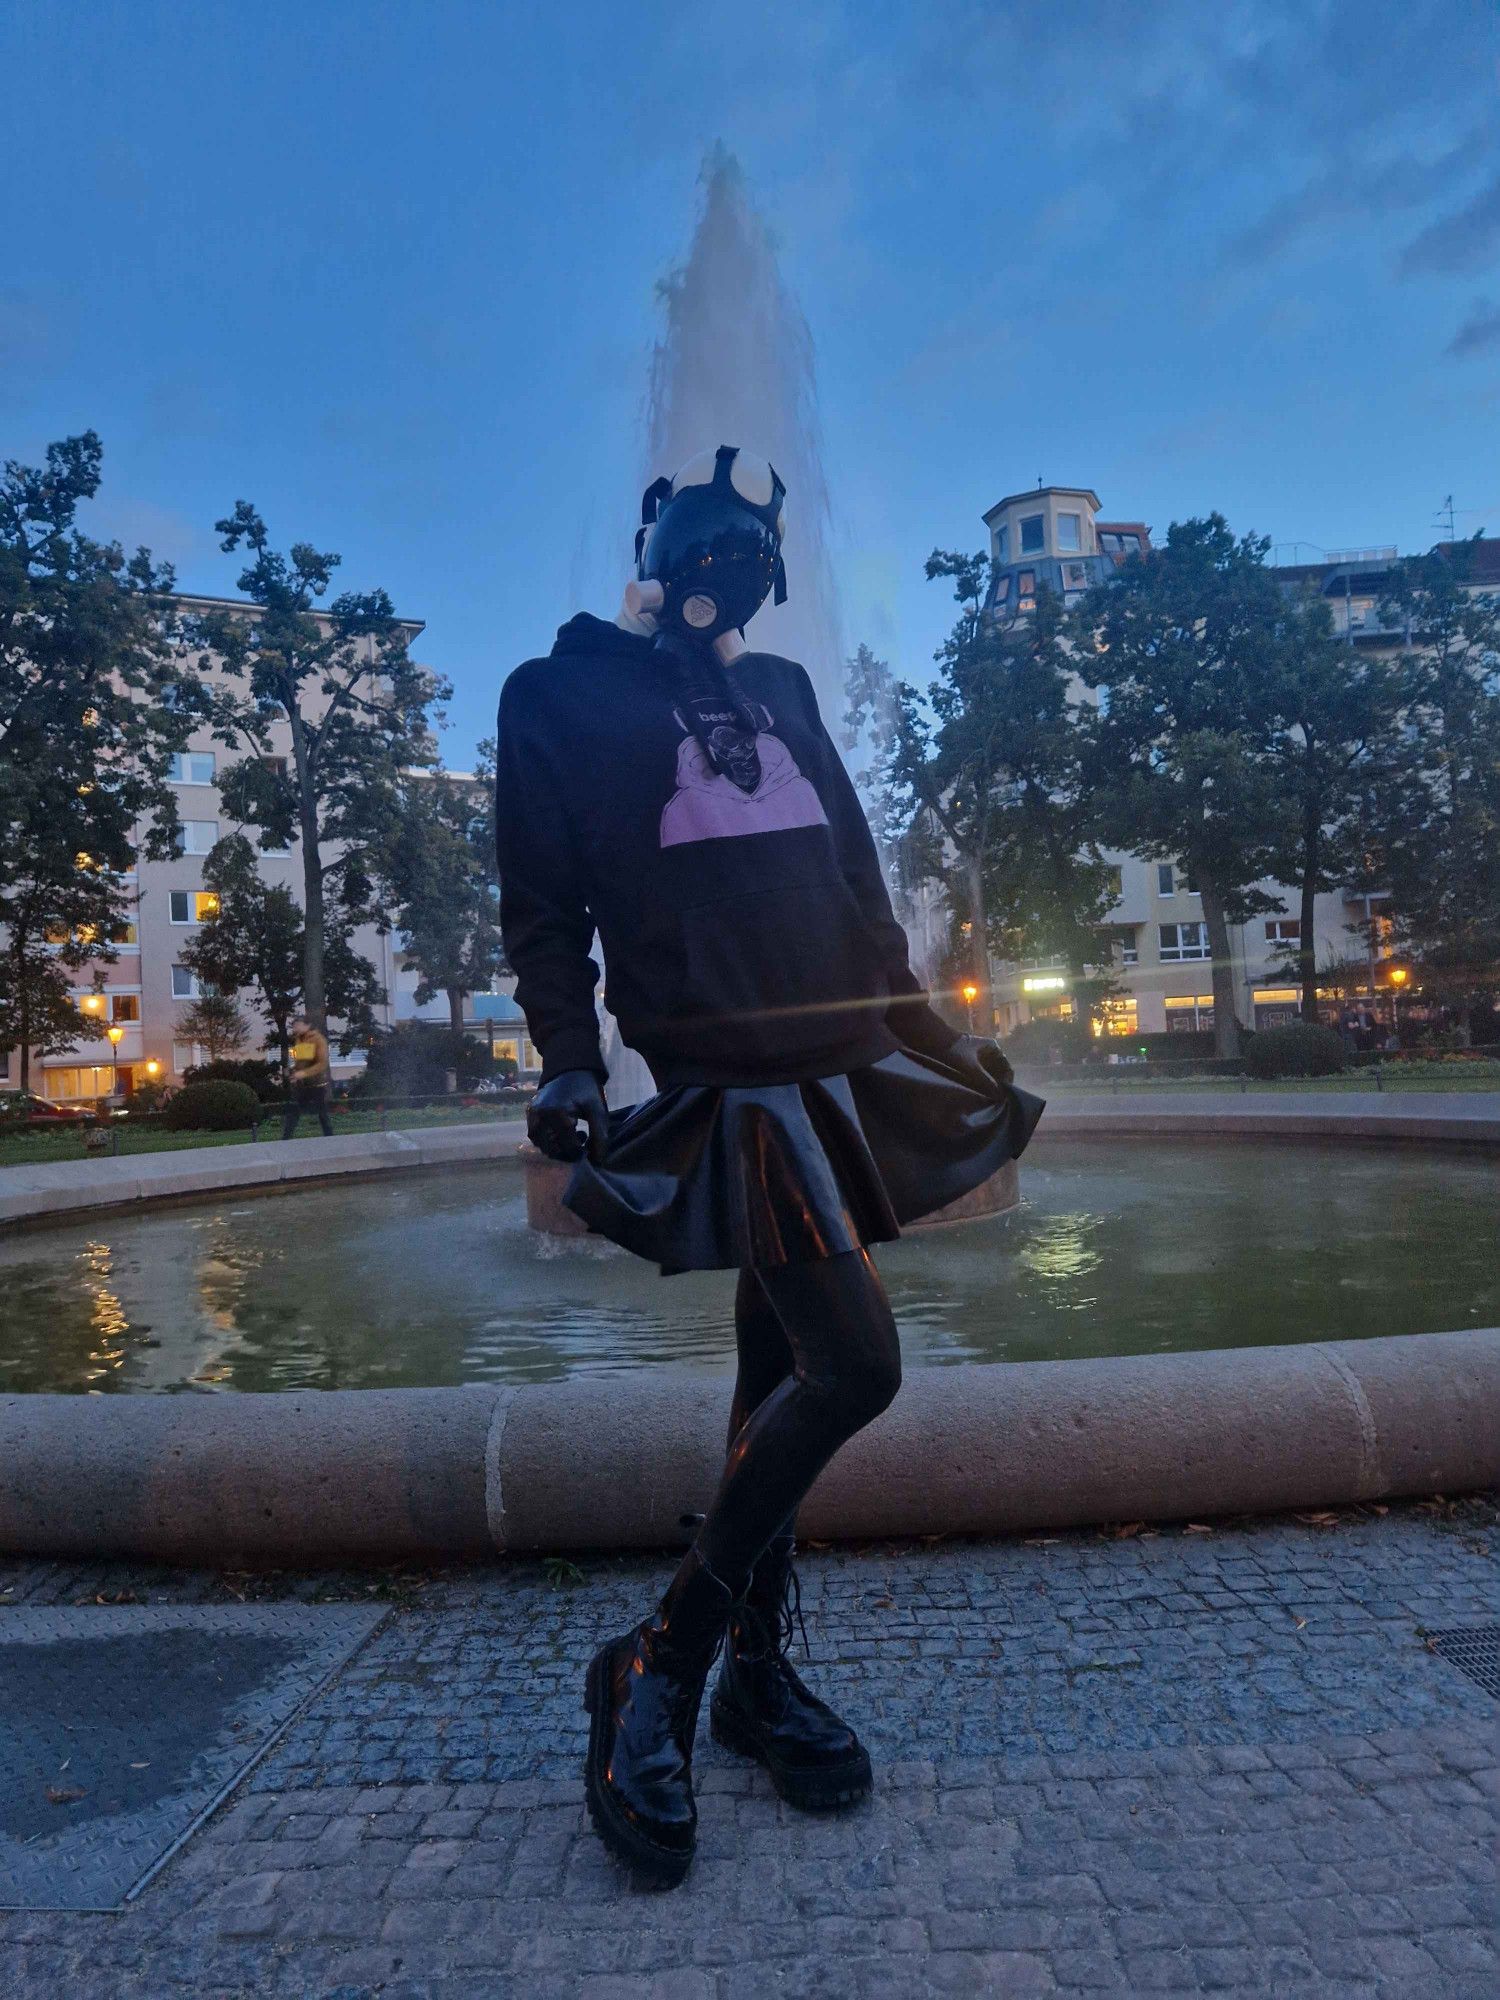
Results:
<point x="388" y="270"/>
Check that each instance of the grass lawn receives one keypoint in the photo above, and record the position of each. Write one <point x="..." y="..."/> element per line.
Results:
<point x="39" y="1148"/>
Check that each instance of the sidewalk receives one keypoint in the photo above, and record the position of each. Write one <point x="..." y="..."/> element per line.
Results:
<point x="1219" y="1762"/>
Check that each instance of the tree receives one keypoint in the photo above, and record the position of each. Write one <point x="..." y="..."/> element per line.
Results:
<point x="440" y="866"/>
<point x="216" y="1024"/>
<point x="982" y="769"/>
<point x="254" y="938"/>
<point x="356" y="706"/>
<point x="1337" y="740"/>
<point x="1186" y="645"/>
<point x="1440" y="844"/>
<point x="93" y="703"/>
<point x="256" y="941"/>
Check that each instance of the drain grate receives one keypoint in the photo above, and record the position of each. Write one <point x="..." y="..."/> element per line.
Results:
<point x="1474" y="1650"/>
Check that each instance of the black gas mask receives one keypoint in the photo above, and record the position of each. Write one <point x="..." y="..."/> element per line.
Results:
<point x="710" y="540"/>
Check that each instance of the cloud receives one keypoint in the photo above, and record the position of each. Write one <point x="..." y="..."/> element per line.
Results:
<point x="1347" y="188"/>
<point x="1479" y="332"/>
<point x="1466" y="240"/>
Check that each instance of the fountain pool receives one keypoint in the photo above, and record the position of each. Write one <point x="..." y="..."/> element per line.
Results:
<point x="1119" y="1247"/>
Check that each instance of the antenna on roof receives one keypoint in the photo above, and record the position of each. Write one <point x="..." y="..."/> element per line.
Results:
<point x="1444" y="515"/>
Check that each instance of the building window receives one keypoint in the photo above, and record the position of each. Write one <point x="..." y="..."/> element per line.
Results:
<point x="1120" y="546"/>
<point x="186" y="1055"/>
<point x="192" y="906"/>
<point x="1002" y="591"/>
<point x="1118" y="1016"/>
<point x="197" y="836"/>
<point x="1164" y="878"/>
<point x="1002" y="543"/>
<point x="124" y="937"/>
<point x="125" y="1007"/>
<point x="1189" y="1014"/>
<point x="1069" y="534"/>
<point x="185" y="983"/>
<point x="192" y="767"/>
<point x="1283" y="930"/>
<point x="1276" y="1005"/>
<point x="1075" y="576"/>
<point x="275" y="765"/>
<point x="1179" y="941"/>
<point x="1127" y="937"/>
<point x="1026" y="590"/>
<point x="1033" y="536"/>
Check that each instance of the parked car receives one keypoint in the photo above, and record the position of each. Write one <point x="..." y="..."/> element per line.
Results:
<point x="24" y="1107"/>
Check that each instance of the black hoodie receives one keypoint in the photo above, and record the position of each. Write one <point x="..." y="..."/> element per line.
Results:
<point x="748" y="937"/>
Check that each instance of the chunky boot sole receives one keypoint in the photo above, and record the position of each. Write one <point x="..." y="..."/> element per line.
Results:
<point x="653" y="1866"/>
<point x="826" y="1790"/>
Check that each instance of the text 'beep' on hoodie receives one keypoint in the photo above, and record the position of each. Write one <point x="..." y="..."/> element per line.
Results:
<point x="748" y="937"/>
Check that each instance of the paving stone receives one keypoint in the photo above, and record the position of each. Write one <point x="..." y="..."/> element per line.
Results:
<point x="1227" y="1805"/>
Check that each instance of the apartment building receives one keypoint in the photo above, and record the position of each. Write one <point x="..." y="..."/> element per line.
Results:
<point x="145" y="990"/>
<point x="1052" y="536"/>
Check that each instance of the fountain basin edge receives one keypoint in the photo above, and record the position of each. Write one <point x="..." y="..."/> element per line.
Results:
<point x="382" y="1475"/>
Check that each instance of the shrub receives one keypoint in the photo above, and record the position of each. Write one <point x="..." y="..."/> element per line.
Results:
<point x="1297" y="1049"/>
<point x="220" y="1105"/>
<point x="1034" y="1041"/>
<point x="261" y="1075"/>
<point x="414" y="1058"/>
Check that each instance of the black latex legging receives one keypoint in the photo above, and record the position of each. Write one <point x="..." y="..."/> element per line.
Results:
<point x="818" y="1359"/>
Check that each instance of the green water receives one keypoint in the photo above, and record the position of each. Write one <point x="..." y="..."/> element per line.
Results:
<point x="1121" y="1247"/>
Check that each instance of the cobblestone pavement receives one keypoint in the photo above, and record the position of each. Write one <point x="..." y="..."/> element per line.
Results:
<point x="1222" y="1762"/>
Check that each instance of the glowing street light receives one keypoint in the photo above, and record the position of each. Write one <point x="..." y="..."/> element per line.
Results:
<point x="971" y="993"/>
<point x="1399" y="977"/>
<point x="116" y="1035"/>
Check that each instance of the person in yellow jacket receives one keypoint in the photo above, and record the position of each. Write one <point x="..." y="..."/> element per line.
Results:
<point x="309" y="1078"/>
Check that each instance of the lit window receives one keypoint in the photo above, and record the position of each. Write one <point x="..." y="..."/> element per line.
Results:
<point x="124" y="938"/>
<point x="125" y="1007"/>
<point x="185" y="983"/>
<point x="1069" y="534"/>
<point x="188" y="906"/>
<point x="1179" y="941"/>
<point x="1033" y="535"/>
<point x="192" y="767"/>
<point x="1026" y="590"/>
<point x="1189" y="1013"/>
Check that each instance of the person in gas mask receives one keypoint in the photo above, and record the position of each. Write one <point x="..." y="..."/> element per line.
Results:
<point x="662" y="785"/>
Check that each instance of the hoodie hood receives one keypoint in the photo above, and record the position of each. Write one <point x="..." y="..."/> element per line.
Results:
<point x="587" y="635"/>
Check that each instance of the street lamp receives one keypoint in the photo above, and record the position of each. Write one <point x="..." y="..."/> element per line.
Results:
<point x="971" y="993"/>
<point x="116" y="1035"/>
<point x="153" y="1068"/>
<point x="1399" y="977"/>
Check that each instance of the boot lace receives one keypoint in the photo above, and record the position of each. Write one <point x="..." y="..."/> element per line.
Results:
<point x="773" y="1633"/>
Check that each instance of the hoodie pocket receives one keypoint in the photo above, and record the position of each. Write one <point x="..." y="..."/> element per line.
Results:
<point x="782" y="973"/>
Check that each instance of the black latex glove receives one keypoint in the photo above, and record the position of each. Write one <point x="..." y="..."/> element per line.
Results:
<point x="982" y="1060"/>
<point x="554" y="1114"/>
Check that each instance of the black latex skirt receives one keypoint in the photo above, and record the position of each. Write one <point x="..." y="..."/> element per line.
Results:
<point x="706" y="1178"/>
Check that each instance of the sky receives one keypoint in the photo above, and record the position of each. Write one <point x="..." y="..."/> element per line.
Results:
<point x="390" y="271"/>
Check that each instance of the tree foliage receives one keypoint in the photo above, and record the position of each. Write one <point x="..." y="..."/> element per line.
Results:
<point x="357" y="708"/>
<point x="215" y="1023"/>
<point x="982" y="768"/>
<point x="93" y="702"/>
<point x="1438" y="836"/>
<point x="440" y="866"/>
<point x="1187" y="647"/>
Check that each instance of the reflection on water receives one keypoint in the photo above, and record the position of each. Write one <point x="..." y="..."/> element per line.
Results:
<point x="1119" y="1248"/>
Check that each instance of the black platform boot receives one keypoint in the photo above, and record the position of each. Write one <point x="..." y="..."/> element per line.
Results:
<point x="762" y="1710"/>
<point x="643" y="1693"/>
